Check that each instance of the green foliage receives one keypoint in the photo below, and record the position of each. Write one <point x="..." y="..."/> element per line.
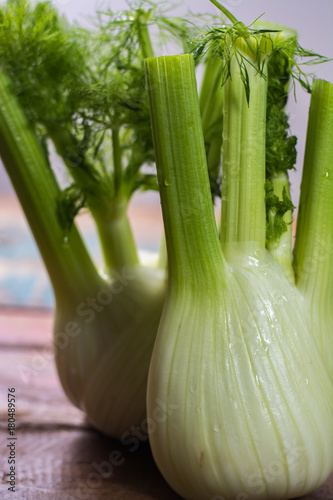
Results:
<point x="280" y="146"/>
<point x="276" y="208"/>
<point x="42" y="58"/>
<point x="278" y="79"/>
<point x="211" y="110"/>
<point x="69" y="204"/>
<point x="77" y="86"/>
<point x="247" y="44"/>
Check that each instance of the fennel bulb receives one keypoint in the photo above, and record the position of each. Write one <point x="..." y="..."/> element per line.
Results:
<point x="103" y="363"/>
<point x="234" y="356"/>
<point x="87" y="95"/>
<point x="104" y="328"/>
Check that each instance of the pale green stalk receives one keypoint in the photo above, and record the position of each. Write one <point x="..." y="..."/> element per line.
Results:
<point x="143" y="35"/>
<point x="148" y="51"/>
<point x="190" y="227"/>
<point x="243" y="178"/>
<point x="162" y="261"/>
<point x="313" y="252"/>
<point x="280" y="248"/>
<point x="110" y="215"/>
<point x="211" y="103"/>
<point x="115" y="235"/>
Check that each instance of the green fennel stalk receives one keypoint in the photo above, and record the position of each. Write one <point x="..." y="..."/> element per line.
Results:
<point x="243" y="180"/>
<point x="192" y="253"/>
<point x="67" y="261"/>
<point x="109" y="213"/>
<point x="211" y="104"/>
<point x="313" y="251"/>
<point x="280" y="157"/>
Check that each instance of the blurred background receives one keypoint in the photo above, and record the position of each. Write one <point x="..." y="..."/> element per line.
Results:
<point x="23" y="280"/>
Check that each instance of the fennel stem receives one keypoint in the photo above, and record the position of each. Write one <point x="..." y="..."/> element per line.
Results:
<point x="144" y="37"/>
<point x="148" y="51"/>
<point x="280" y="157"/>
<point x="68" y="263"/>
<point x="68" y="148"/>
<point x="211" y="104"/>
<point x="162" y="261"/>
<point x="110" y="216"/>
<point x="243" y="178"/>
<point x="115" y="235"/>
<point x="194" y="252"/>
<point x="116" y="154"/>
<point x="313" y="251"/>
<point x="224" y="11"/>
<point x="280" y="248"/>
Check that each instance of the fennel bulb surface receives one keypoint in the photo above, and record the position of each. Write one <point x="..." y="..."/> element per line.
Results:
<point x="103" y="367"/>
<point x="248" y="397"/>
<point x="252" y="404"/>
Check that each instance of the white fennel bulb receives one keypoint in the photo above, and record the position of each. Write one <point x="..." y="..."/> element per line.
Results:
<point x="252" y="406"/>
<point x="249" y="402"/>
<point x="103" y="363"/>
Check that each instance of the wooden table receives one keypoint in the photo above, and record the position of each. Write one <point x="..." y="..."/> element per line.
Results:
<point x="58" y="455"/>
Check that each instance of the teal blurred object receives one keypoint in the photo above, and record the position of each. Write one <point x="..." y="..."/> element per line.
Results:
<point x="24" y="282"/>
<point x="23" y="279"/>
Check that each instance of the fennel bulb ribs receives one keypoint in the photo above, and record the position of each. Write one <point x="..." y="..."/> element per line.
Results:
<point x="234" y="355"/>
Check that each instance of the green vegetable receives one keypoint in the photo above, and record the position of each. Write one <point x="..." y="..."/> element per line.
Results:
<point x="280" y="157"/>
<point x="313" y="252"/>
<point x="84" y="91"/>
<point x="279" y="209"/>
<point x="211" y="104"/>
<point x="104" y="329"/>
<point x="235" y="362"/>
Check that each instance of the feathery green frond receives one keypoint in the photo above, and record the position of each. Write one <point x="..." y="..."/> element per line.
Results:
<point x="248" y="45"/>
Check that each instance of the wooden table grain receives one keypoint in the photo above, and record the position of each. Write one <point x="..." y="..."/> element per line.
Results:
<point x="58" y="455"/>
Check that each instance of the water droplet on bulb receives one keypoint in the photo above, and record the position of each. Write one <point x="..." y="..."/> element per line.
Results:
<point x="217" y="427"/>
<point x="65" y="241"/>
